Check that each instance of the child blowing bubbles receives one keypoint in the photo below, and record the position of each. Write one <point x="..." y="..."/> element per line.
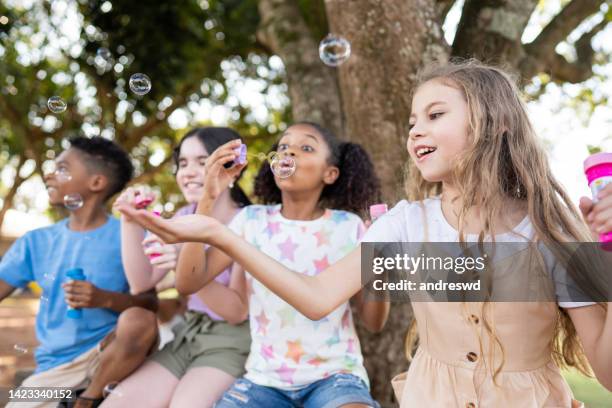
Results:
<point x="477" y="172"/>
<point x="295" y="361"/>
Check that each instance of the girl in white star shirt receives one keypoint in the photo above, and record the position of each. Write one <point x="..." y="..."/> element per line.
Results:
<point x="308" y="223"/>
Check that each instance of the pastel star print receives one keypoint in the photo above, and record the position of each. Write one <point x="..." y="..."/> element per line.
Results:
<point x="335" y="339"/>
<point x="267" y="351"/>
<point x="294" y="350"/>
<point x="322" y="237"/>
<point x="321" y="264"/>
<point x="339" y="216"/>
<point x="287" y="249"/>
<point x="272" y="228"/>
<point x="286" y="373"/>
<point x="346" y="319"/>
<point x="262" y="321"/>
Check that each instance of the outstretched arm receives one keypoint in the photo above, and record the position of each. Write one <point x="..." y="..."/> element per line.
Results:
<point x="141" y="275"/>
<point x="314" y="296"/>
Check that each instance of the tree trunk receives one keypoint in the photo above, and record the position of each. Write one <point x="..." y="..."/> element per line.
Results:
<point x="313" y="87"/>
<point x="390" y="41"/>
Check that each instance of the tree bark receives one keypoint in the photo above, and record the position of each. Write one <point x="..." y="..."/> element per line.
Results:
<point x="313" y="87"/>
<point x="390" y="41"/>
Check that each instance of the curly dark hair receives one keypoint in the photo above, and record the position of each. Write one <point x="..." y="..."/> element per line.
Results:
<point x="356" y="188"/>
<point x="107" y="157"/>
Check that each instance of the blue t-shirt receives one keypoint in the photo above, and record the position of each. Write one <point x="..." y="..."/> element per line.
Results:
<point x="44" y="255"/>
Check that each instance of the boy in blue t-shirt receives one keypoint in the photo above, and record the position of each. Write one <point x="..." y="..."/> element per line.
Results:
<point x="116" y="330"/>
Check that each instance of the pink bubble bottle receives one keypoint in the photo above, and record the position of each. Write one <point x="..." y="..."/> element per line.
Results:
<point x="598" y="169"/>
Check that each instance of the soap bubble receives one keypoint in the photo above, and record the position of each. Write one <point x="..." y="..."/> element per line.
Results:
<point x="73" y="201"/>
<point x="110" y="388"/>
<point x="334" y="50"/>
<point x="20" y="348"/>
<point x="104" y="53"/>
<point x="283" y="167"/>
<point x="62" y="175"/>
<point x="56" y="104"/>
<point x="140" y="84"/>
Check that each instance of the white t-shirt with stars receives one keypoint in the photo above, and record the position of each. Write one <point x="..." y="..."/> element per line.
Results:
<point x="288" y="350"/>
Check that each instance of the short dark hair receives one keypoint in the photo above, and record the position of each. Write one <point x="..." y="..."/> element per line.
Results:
<point x="107" y="157"/>
<point x="356" y="188"/>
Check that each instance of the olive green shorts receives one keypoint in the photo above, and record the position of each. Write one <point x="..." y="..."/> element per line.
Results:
<point x="203" y="342"/>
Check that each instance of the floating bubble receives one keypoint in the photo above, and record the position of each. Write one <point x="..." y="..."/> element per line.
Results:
<point x="140" y="84"/>
<point x="62" y="175"/>
<point x="110" y="388"/>
<point x="334" y="50"/>
<point x="56" y="104"/>
<point x="73" y="201"/>
<point x="104" y="53"/>
<point x="283" y="167"/>
<point x="20" y="348"/>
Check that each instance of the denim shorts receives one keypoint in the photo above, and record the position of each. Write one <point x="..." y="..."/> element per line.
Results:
<point x="331" y="392"/>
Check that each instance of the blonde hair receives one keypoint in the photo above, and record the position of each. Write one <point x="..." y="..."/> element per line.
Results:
<point x="504" y="161"/>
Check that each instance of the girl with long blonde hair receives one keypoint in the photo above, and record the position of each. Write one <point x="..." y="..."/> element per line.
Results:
<point x="477" y="174"/>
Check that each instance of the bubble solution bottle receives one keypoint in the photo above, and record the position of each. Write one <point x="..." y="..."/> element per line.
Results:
<point x="75" y="274"/>
<point x="377" y="211"/>
<point x="598" y="170"/>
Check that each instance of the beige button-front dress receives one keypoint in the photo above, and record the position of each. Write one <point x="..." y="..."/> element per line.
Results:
<point x="454" y="363"/>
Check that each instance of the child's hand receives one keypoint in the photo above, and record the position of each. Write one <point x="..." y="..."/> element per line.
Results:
<point x="598" y="215"/>
<point x="162" y="255"/>
<point x="218" y="177"/>
<point x="189" y="228"/>
<point x="135" y="197"/>
<point x="83" y="294"/>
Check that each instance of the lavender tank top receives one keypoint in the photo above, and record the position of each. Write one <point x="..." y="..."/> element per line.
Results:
<point x="194" y="302"/>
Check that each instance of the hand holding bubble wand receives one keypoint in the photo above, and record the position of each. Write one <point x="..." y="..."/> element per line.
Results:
<point x="226" y="163"/>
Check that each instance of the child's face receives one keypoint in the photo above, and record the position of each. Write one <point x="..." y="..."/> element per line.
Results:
<point x="191" y="164"/>
<point x="438" y="129"/>
<point x="311" y="153"/>
<point x="70" y="176"/>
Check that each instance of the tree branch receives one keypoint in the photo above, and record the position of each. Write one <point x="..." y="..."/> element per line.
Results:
<point x="491" y="30"/>
<point x="8" y="199"/>
<point x="150" y="173"/>
<point x="557" y="66"/>
<point x="153" y="122"/>
<point x="561" y="26"/>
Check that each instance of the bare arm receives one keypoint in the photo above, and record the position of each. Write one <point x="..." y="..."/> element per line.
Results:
<point x="5" y="289"/>
<point x="141" y="275"/>
<point x="197" y="266"/>
<point x="83" y="294"/>
<point x="228" y="302"/>
<point x="314" y="296"/>
<point x="594" y="323"/>
<point x="139" y="272"/>
<point x="594" y="326"/>
<point x="373" y="313"/>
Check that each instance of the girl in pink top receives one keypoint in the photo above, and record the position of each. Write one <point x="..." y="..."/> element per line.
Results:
<point x="213" y="342"/>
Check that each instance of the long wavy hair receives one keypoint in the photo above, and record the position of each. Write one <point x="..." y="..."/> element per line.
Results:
<point x="504" y="160"/>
